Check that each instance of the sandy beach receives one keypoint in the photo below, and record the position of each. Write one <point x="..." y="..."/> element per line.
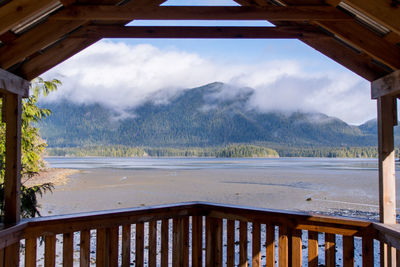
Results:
<point x="335" y="192"/>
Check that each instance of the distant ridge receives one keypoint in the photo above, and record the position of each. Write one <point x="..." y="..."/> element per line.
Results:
<point x="212" y="115"/>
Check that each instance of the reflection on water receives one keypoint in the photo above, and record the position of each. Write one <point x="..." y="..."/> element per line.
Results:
<point x="213" y="163"/>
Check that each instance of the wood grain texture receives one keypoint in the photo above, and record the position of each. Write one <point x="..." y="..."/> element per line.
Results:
<point x="270" y="246"/>
<point x="30" y="252"/>
<point x="256" y="245"/>
<point x="12" y="177"/>
<point x="243" y="261"/>
<point x="113" y="234"/>
<point x="348" y="251"/>
<point x="102" y="247"/>
<point x="296" y="248"/>
<point x="68" y="249"/>
<point x="11" y="83"/>
<point x="312" y="249"/>
<point x="139" y="255"/>
<point x="283" y="246"/>
<point x="164" y="242"/>
<point x="197" y="241"/>
<point x="126" y="245"/>
<point x="49" y="251"/>
<point x="152" y="261"/>
<point x="330" y="250"/>
<point x="85" y="249"/>
<point x="387" y="116"/>
<point x="230" y="246"/>
<point x="388" y="85"/>
<point x="198" y="32"/>
<point x="368" y="251"/>
<point x="104" y="13"/>
<point x="17" y="11"/>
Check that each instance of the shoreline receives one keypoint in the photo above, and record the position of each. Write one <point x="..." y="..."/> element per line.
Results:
<point x="56" y="176"/>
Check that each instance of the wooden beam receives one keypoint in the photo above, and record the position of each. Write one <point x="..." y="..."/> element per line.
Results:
<point x="53" y="56"/>
<point x="304" y="13"/>
<point x="388" y="85"/>
<point x="387" y="117"/>
<point x="35" y="40"/>
<point x="17" y="11"/>
<point x="10" y="83"/>
<point x="366" y="41"/>
<point x="12" y="181"/>
<point x="386" y="12"/>
<point x="359" y="64"/>
<point x="67" y="47"/>
<point x="105" y="31"/>
<point x="387" y="114"/>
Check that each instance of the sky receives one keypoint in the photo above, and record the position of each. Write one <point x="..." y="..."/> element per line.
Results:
<point x="286" y="75"/>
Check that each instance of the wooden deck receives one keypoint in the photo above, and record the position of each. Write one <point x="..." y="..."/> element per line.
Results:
<point x="196" y="234"/>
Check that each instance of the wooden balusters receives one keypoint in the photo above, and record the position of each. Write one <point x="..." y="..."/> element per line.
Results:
<point x="283" y="246"/>
<point x="213" y="242"/>
<point x="164" y="242"/>
<point x="126" y="245"/>
<point x="180" y="242"/>
<point x="330" y="253"/>
<point x="368" y="251"/>
<point x="348" y="251"/>
<point x="101" y="247"/>
<point x="85" y="248"/>
<point x="296" y="248"/>
<point x="256" y="245"/>
<point x="50" y="251"/>
<point x="68" y="249"/>
<point x="243" y="244"/>
<point x="30" y="252"/>
<point x="139" y="254"/>
<point x="230" y="246"/>
<point x="152" y="244"/>
<point x="270" y="246"/>
<point x="312" y="249"/>
<point x="197" y="241"/>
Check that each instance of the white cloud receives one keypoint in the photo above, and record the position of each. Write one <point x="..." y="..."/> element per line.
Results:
<point x="124" y="76"/>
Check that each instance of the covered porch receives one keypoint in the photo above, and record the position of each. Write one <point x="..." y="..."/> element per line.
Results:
<point x="363" y="36"/>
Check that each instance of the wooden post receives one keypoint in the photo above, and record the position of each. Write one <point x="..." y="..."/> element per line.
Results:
<point x="387" y="118"/>
<point x="12" y="179"/>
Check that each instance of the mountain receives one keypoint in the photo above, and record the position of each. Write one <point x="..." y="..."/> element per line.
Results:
<point x="212" y="115"/>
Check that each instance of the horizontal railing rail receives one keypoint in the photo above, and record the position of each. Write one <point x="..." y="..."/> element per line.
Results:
<point x="197" y="233"/>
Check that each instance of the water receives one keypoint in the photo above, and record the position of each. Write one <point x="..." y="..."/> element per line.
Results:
<point x="303" y="164"/>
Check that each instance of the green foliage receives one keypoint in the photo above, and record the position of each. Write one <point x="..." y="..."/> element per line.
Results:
<point x="246" y="151"/>
<point x="233" y="151"/>
<point x="32" y="146"/>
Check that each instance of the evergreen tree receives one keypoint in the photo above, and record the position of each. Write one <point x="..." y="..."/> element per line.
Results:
<point x="32" y="147"/>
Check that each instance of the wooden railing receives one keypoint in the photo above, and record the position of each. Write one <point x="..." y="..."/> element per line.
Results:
<point x="196" y="234"/>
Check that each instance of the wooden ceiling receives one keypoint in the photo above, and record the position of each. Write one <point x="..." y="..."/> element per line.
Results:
<point x="362" y="35"/>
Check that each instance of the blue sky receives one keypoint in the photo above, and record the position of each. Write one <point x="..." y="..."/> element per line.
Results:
<point x="286" y="75"/>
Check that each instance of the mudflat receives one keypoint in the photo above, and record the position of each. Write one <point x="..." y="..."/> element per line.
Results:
<point x="340" y="192"/>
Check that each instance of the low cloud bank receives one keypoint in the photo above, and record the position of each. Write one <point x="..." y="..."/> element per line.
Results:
<point x="124" y="76"/>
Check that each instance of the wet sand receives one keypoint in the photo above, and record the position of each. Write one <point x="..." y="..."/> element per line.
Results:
<point x="333" y="192"/>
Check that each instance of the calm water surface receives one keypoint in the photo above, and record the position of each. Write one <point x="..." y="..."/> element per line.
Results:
<point x="214" y="163"/>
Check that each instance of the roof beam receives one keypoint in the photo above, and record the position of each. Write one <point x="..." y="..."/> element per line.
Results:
<point x="36" y="39"/>
<point x="111" y="31"/>
<point x="16" y="11"/>
<point x="359" y="64"/>
<point x="383" y="11"/>
<point x="388" y="85"/>
<point x="366" y="41"/>
<point x="307" y="13"/>
<point x="54" y="55"/>
<point x="10" y="83"/>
